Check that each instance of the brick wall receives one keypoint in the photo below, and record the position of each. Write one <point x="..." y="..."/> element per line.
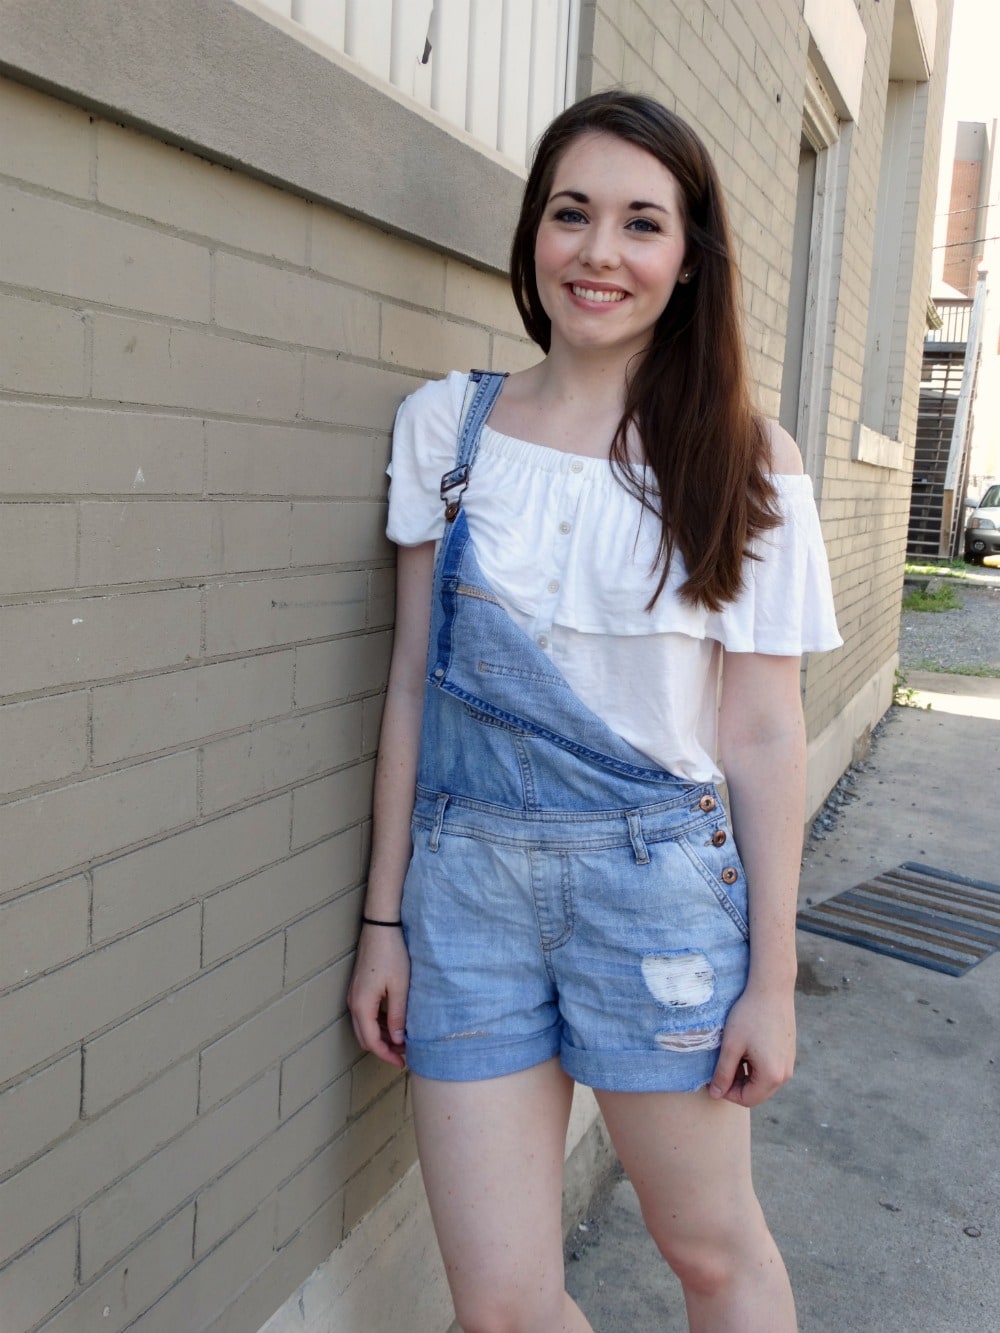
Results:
<point x="199" y="375"/>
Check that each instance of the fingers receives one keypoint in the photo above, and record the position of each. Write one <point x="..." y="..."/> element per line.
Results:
<point x="724" y="1078"/>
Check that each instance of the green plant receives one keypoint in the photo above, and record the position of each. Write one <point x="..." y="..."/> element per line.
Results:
<point x="903" y="693"/>
<point x="938" y="599"/>
<point x="986" y="672"/>
<point x="953" y="569"/>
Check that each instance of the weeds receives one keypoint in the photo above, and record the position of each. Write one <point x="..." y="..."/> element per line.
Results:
<point x="986" y="672"/>
<point x="903" y="693"/>
<point x="940" y="599"/>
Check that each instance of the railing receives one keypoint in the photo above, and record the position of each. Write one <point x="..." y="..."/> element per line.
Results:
<point x="955" y="316"/>
<point x="499" y="69"/>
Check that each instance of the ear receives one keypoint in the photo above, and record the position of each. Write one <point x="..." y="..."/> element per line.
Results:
<point x="687" y="273"/>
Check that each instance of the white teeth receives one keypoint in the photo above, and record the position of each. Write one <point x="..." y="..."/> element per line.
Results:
<point x="588" y="294"/>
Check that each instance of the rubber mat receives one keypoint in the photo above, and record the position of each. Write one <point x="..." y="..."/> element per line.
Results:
<point x="930" y="917"/>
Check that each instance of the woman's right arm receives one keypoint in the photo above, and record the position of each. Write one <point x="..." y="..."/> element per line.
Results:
<point x="377" y="994"/>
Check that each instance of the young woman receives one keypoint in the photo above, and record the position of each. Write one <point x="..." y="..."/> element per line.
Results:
<point x="576" y="574"/>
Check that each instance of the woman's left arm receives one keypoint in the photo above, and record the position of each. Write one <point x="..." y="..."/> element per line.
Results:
<point x="763" y="755"/>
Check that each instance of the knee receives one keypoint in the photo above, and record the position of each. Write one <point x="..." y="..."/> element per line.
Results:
<point x="709" y="1262"/>
<point x="484" y="1314"/>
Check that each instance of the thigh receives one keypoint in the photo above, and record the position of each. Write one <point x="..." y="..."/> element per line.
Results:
<point x="492" y="1154"/>
<point x="689" y="1160"/>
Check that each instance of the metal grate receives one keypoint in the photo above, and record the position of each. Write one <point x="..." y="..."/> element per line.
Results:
<point x="938" y="920"/>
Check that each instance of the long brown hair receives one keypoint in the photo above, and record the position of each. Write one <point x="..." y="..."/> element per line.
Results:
<point x="689" y="395"/>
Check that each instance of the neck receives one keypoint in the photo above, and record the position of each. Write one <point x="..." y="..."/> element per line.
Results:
<point x="595" y="378"/>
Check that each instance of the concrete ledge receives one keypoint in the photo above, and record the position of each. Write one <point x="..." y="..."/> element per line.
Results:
<point x="250" y="92"/>
<point x="847" y="737"/>
<point x="838" y="49"/>
<point x="870" y="446"/>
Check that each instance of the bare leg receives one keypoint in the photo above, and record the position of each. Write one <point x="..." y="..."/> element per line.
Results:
<point x="689" y="1160"/>
<point x="491" y="1153"/>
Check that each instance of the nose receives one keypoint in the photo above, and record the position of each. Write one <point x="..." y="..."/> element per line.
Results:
<point x="600" y="249"/>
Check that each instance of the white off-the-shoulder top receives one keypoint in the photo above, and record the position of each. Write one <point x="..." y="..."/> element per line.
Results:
<point x="570" y="554"/>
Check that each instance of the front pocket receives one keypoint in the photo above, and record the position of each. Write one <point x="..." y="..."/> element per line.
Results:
<point x="722" y="870"/>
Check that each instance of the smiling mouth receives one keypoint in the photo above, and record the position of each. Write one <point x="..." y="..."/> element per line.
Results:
<point x="599" y="297"/>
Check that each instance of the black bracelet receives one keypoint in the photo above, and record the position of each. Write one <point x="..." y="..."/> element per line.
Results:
<point x="370" y="921"/>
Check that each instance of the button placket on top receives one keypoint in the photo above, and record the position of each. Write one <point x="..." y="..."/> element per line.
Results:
<point x="572" y="480"/>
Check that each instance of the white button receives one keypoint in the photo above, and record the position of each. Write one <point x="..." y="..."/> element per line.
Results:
<point x="542" y="641"/>
<point x="554" y="585"/>
<point x="565" y="527"/>
<point x="576" y="465"/>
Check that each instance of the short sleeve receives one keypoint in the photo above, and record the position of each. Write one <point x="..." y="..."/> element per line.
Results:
<point x="424" y="441"/>
<point x="787" y="605"/>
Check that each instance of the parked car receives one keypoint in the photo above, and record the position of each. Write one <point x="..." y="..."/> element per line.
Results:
<point x="982" y="528"/>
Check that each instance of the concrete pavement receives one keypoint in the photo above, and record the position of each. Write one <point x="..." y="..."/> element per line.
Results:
<point x="879" y="1164"/>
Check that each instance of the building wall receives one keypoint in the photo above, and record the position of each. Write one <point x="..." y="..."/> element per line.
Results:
<point x="218" y="280"/>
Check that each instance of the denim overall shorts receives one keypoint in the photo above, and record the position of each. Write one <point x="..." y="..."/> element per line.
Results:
<point x="565" y="897"/>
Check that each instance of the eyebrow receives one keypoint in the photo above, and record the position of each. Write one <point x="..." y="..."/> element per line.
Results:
<point x="637" y="205"/>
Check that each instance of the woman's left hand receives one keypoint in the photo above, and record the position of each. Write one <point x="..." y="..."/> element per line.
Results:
<point x="758" y="1047"/>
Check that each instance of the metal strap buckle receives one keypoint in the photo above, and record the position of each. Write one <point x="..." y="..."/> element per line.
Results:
<point x="456" y="480"/>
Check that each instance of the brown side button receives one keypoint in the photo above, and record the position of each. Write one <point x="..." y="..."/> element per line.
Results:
<point x="729" y="875"/>
<point x="707" y="803"/>
<point x="718" y="837"/>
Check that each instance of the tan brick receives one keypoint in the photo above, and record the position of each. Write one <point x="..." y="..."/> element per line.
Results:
<point x="320" y="1180"/>
<point x="155" y="180"/>
<point x="204" y="1292"/>
<point x="372" y="725"/>
<point x="59" y="643"/>
<point x="243" y="459"/>
<point x="58" y="247"/>
<point x="514" y="354"/>
<point x="55" y="1011"/>
<point x="265" y="613"/>
<point x="43" y="929"/>
<point x="37" y="1282"/>
<point x="39" y="1110"/>
<point x="158" y="1186"/>
<point x="39" y="545"/>
<point x="423" y="342"/>
<point x="134" y="1284"/>
<point x="381" y="596"/>
<point x="186" y="866"/>
<point x="136" y="362"/>
<point x="146" y="540"/>
<point x="159" y="711"/>
<point x="378" y="1176"/>
<point x="42" y="740"/>
<point x="483" y="297"/>
<point x="266" y="901"/>
<point x="181" y="1022"/>
<point x="43" y="835"/>
<point x="369" y="1079"/>
<point x="323" y="935"/>
<point x="249" y="1049"/>
<point x="359" y="254"/>
<point x="279" y="754"/>
<point x="324" y="807"/>
<point x="328" y="1055"/>
<point x="349" y="395"/>
<point x="54" y="142"/>
<point x="294" y="307"/>
<point x="69" y="450"/>
<point x="338" y="532"/>
<point x="41" y="348"/>
<point x="329" y="672"/>
<point x="234" y="1195"/>
<point x="56" y="1185"/>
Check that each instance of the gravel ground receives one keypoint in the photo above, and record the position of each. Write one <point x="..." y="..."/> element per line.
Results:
<point x="968" y="637"/>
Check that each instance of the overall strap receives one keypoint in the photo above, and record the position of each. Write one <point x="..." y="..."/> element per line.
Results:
<point x="481" y="393"/>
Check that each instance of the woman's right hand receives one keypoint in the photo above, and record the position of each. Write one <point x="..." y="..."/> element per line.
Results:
<point x="377" y="994"/>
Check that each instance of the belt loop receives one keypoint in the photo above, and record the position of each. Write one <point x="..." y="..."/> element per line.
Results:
<point x="439" y="809"/>
<point x="635" y="833"/>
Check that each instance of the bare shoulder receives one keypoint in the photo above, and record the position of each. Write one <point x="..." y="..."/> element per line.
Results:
<point x="785" y="456"/>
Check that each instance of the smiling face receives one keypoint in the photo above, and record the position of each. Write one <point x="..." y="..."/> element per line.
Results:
<point x="610" y="246"/>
